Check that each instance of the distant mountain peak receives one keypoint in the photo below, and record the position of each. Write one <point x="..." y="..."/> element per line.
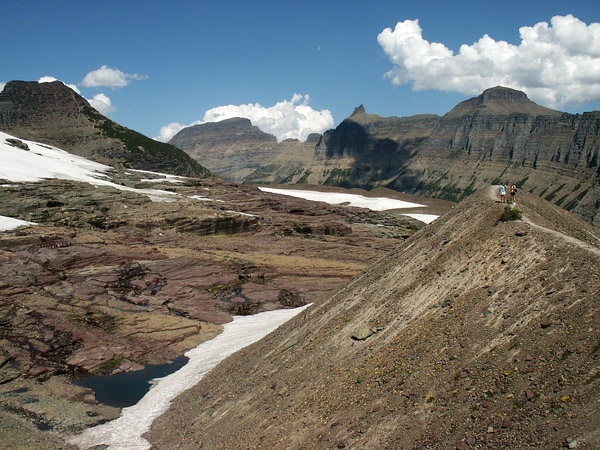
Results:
<point x="223" y="130"/>
<point x="359" y="110"/>
<point x="504" y="93"/>
<point x="55" y="114"/>
<point x="500" y="100"/>
<point x="43" y="98"/>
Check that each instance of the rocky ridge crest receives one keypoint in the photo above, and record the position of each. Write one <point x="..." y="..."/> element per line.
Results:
<point x="474" y="333"/>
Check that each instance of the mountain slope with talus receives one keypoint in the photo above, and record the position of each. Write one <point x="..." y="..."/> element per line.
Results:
<point x="473" y="333"/>
<point x="55" y="114"/>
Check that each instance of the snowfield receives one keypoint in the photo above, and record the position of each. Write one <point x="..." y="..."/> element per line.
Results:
<point x="42" y="161"/>
<point x="360" y="201"/>
<point x="8" y="223"/>
<point x="425" y="218"/>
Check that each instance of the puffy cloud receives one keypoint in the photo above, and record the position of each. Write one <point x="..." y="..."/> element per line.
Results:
<point x="110" y="77"/>
<point x="168" y="131"/>
<point x="286" y="119"/>
<point x="102" y="103"/>
<point x="48" y="79"/>
<point x="2" y="86"/>
<point x="556" y="64"/>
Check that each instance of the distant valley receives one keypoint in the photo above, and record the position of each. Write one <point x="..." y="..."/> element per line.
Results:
<point x="498" y="136"/>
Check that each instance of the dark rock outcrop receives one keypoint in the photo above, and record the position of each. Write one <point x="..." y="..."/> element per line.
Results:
<point x="55" y="114"/>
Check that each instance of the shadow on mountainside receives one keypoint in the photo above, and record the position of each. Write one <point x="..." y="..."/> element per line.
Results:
<point x="374" y="159"/>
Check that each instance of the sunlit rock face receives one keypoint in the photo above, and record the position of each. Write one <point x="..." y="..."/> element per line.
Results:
<point x="499" y="136"/>
<point x="239" y="151"/>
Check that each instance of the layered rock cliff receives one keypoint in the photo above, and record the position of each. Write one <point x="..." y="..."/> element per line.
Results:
<point x="239" y="151"/>
<point x="500" y="135"/>
<point x="55" y="114"/>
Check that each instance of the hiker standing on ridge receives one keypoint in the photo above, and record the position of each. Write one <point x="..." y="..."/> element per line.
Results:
<point x="502" y="193"/>
<point x="513" y="194"/>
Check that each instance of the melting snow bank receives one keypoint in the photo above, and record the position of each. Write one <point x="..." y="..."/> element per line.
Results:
<point x="165" y="177"/>
<point x="125" y="433"/>
<point x="425" y="218"/>
<point x="337" y="198"/>
<point x="24" y="160"/>
<point x="372" y="203"/>
<point x="8" y="223"/>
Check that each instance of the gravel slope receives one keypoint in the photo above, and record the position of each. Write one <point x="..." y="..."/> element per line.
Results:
<point x="484" y="335"/>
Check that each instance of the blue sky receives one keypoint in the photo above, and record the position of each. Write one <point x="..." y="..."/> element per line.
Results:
<point x="180" y="59"/>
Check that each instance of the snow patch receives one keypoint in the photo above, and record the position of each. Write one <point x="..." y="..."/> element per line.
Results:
<point x="242" y="213"/>
<point x="42" y="161"/>
<point x="201" y="198"/>
<point x="425" y="218"/>
<point x="8" y="223"/>
<point x="166" y="177"/>
<point x="125" y="433"/>
<point x="338" y="198"/>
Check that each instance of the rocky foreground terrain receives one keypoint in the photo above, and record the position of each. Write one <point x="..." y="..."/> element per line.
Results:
<point x="472" y="334"/>
<point x="109" y="281"/>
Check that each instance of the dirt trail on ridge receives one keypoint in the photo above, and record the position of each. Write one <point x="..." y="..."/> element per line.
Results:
<point x="472" y="334"/>
<point x="493" y="194"/>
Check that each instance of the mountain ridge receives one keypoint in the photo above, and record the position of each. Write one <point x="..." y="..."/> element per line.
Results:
<point x="473" y="333"/>
<point x="55" y="114"/>
<point x="497" y="136"/>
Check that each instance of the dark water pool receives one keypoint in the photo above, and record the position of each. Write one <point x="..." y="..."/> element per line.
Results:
<point x="127" y="388"/>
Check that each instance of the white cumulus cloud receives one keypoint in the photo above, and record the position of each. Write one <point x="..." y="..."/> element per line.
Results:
<point x="288" y="119"/>
<point x="556" y="64"/>
<point x="168" y="131"/>
<point x="110" y="77"/>
<point x="102" y="103"/>
<point x="49" y="79"/>
<point x="2" y="86"/>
